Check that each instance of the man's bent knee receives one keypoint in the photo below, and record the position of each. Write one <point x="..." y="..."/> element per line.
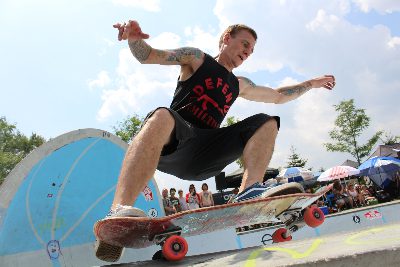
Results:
<point x="271" y="125"/>
<point x="162" y="117"/>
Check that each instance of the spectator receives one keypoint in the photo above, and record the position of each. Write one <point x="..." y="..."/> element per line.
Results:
<point x="341" y="198"/>
<point x="168" y="207"/>
<point x="232" y="197"/>
<point x="182" y="200"/>
<point x="174" y="200"/>
<point x="360" y="197"/>
<point x="192" y="198"/>
<point x="206" y="197"/>
<point x="353" y="193"/>
<point x="368" y="196"/>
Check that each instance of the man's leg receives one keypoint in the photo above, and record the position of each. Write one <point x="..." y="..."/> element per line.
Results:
<point x="142" y="157"/>
<point x="258" y="152"/>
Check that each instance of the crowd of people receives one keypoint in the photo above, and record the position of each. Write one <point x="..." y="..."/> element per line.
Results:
<point x="349" y="195"/>
<point x="192" y="200"/>
<point x="342" y="196"/>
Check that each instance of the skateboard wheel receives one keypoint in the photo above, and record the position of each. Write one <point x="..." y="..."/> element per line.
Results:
<point x="314" y="216"/>
<point x="175" y="248"/>
<point x="279" y="236"/>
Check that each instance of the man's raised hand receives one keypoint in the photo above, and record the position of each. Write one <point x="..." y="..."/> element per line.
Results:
<point x="130" y="31"/>
<point x="326" y="81"/>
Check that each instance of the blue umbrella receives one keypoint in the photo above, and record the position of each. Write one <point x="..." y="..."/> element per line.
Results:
<point x="296" y="174"/>
<point x="381" y="170"/>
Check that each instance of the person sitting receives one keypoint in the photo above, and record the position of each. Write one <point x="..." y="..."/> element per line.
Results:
<point x="235" y="192"/>
<point x="351" y="191"/>
<point x="360" y="196"/>
<point x="342" y="199"/>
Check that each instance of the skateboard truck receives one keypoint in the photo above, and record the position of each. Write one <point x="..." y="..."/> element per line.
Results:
<point x="295" y="219"/>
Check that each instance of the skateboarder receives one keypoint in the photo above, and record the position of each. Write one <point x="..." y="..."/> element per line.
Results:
<point x="185" y="139"/>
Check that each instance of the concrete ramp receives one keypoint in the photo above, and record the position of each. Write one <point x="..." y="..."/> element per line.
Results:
<point x="50" y="201"/>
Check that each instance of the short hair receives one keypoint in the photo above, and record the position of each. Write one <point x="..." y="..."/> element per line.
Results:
<point x="172" y="189"/>
<point x="234" y="29"/>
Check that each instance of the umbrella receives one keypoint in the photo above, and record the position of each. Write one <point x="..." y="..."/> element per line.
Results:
<point x="381" y="170"/>
<point x="337" y="172"/>
<point x="296" y="174"/>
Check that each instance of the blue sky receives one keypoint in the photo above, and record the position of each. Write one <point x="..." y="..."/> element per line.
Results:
<point x="62" y="67"/>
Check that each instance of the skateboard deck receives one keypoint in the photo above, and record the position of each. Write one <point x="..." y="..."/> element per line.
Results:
<point x="140" y="232"/>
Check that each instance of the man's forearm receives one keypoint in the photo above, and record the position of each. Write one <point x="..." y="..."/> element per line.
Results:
<point x="294" y="91"/>
<point x="140" y="50"/>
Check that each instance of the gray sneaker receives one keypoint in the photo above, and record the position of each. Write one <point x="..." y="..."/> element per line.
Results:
<point x="111" y="253"/>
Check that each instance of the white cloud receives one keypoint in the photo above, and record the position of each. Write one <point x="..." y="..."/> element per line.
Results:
<point x="148" y="5"/>
<point x="381" y="6"/>
<point x="103" y="79"/>
<point x="393" y="42"/>
<point x="203" y="40"/>
<point x="323" y="21"/>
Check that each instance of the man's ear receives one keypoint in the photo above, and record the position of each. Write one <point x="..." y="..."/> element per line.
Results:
<point x="227" y="38"/>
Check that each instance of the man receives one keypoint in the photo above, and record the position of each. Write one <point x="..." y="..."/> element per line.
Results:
<point x="206" y="197"/>
<point x="182" y="201"/>
<point x="169" y="208"/>
<point x="174" y="200"/>
<point x="185" y="140"/>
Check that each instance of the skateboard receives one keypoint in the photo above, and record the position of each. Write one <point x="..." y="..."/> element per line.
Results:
<point x="139" y="232"/>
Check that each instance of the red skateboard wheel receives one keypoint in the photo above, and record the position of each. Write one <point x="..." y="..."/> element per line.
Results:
<point x="314" y="216"/>
<point x="175" y="248"/>
<point x="279" y="236"/>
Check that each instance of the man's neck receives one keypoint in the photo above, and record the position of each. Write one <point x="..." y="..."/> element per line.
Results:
<point x="223" y="62"/>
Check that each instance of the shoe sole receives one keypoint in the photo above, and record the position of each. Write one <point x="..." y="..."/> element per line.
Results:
<point x="107" y="252"/>
<point x="111" y="253"/>
<point x="284" y="189"/>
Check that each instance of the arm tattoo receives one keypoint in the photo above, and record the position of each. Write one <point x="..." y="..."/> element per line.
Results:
<point x="140" y="50"/>
<point x="252" y="85"/>
<point x="296" y="89"/>
<point x="183" y="54"/>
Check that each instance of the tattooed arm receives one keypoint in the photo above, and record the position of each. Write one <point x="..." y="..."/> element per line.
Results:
<point x="250" y="91"/>
<point x="145" y="54"/>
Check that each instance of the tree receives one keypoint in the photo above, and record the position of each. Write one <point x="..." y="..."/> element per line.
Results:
<point x="14" y="146"/>
<point x="295" y="160"/>
<point x="128" y="128"/>
<point x="230" y="121"/>
<point x="390" y="139"/>
<point x="350" y="124"/>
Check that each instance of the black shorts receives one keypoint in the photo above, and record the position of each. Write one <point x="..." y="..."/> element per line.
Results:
<point x="197" y="154"/>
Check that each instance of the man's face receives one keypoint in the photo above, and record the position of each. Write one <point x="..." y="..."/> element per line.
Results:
<point x="172" y="193"/>
<point x="180" y="193"/>
<point x="239" y="47"/>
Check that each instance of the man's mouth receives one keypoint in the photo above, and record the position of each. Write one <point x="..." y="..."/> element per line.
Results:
<point x="241" y="58"/>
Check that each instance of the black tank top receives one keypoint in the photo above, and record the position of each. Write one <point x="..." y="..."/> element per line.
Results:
<point x="205" y="98"/>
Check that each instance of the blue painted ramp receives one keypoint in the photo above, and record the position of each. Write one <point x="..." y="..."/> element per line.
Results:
<point x="51" y="200"/>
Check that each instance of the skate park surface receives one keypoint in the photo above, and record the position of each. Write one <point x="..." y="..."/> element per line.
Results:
<point x="375" y="246"/>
